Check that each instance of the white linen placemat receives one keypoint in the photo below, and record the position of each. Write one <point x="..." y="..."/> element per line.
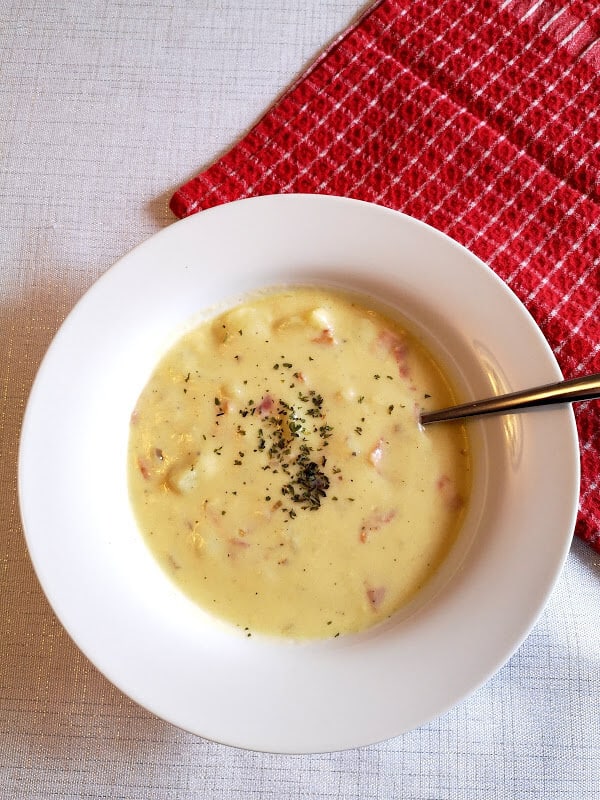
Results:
<point x="90" y="95"/>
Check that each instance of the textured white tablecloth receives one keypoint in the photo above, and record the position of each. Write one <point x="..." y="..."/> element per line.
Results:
<point x="105" y="107"/>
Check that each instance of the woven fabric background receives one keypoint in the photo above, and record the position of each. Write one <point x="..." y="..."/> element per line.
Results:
<point x="105" y="108"/>
<point x="480" y="118"/>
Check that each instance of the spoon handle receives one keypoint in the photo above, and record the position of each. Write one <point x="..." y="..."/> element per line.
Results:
<point x="586" y="388"/>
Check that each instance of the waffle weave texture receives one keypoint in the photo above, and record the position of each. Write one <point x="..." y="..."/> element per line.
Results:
<point x="478" y="118"/>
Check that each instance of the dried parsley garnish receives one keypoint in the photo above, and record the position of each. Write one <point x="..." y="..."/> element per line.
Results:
<point x="285" y="439"/>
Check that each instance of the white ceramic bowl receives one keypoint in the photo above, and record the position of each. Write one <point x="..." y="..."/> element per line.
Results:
<point x="165" y="652"/>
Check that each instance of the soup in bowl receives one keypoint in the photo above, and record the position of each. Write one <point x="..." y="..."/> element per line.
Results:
<point x="279" y="472"/>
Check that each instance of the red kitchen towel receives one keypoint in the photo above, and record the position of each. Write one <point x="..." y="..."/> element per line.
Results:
<point x="480" y="118"/>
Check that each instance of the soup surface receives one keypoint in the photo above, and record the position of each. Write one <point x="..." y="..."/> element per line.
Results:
<point x="278" y="471"/>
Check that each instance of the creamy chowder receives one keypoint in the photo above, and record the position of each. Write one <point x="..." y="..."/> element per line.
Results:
<point x="278" y="471"/>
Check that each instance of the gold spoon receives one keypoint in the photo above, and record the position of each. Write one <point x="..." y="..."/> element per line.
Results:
<point x="586" y="388"/>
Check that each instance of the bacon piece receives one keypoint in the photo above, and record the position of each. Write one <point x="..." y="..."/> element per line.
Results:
<point x="451" y="497"/>
<point x="374" y="522"/>
<point x="239" y="542"/>
<point x="325" y="337"/>
<point x="376" y="596"/>
<point x="266" y="405"/>
<point x="393" y="345"/>
<point x="143" y="468"/>
<point x="236" y="547"/>
<point x="442" y="482"/>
